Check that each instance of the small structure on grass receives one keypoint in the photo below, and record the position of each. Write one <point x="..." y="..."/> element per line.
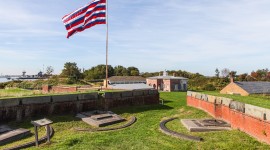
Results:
<point x="39" y="123"/>
<point x="8" y="135"/>
<point x="246" y="88"/>
<point x="99" y="118"/>
<point x="205" y="125"/>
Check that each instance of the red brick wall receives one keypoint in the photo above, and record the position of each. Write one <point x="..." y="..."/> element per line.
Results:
<point x="63" y="89"/>
<point x="59" y="89"/>
<point x="260" y="129"/>
<point x="157" y="82"/>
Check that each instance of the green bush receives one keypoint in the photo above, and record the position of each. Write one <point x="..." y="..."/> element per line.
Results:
<point x="209" y="87"/>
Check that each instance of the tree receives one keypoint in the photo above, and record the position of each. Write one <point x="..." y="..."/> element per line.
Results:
<point x="120" y="71"/>
<point x="71" y="71"/>
<point x="243" y="77"/>
<point x="225" y="72"/>
<point x="217" y="72"/>
<point x="133" y="71"/>
<point x="209" y="87"/>
<point x="254" y="75"/>
<point x="233" y="73"/>
<point x="262" y="74"/>
<point x="98" y="72"/>
<point x="49" y="70"/>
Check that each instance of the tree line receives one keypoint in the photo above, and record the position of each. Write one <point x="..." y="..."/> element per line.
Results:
<point x="98" y="72"/>
<point x="71" y="74"/>
<point x="196" y="81"/>
<point x="259" y="75"/>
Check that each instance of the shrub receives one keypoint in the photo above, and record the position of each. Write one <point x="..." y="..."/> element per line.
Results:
<point x="209" y="87"/>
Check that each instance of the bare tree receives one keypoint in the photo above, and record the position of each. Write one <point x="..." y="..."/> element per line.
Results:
<point x="49" y="70"/>
<point x="225" y="72"/>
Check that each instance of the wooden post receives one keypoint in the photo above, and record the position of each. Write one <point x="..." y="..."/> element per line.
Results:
<point x="48" y="133"/>
<point x="36" y="135"/>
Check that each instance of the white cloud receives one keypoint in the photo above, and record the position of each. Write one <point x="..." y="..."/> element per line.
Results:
<point x="152" y="35"/>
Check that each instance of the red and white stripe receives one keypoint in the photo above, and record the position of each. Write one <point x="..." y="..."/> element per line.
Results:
<point x="85" y="17"/>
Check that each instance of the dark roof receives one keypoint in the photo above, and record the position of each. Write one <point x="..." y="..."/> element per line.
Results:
<point x="167" y="77"/>
<point x="126" y="78"/>
<point x="255" y="87"/>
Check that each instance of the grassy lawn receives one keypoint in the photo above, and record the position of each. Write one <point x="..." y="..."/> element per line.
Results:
<point x="16" y="92"/>
<point x="257" y="100"/>
<point x="144" y="134"/>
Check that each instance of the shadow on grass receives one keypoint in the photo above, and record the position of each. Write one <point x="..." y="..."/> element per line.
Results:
<point x="26" y="123"/>
<point x="166" y="101"/>
<point x="139" y="109"/>
<point x="68" y="117"/>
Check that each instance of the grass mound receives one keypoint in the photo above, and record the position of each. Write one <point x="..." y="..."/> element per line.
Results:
<point x="145" y="133"/>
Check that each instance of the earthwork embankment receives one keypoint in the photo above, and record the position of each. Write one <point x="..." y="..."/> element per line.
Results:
<point x="20" y="108"/>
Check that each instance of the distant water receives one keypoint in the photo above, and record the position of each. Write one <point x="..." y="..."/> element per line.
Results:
<point x="6" y="80"/>
<point x="3" y="80"/>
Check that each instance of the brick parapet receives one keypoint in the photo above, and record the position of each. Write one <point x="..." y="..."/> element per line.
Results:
<point x="250" y="123"/>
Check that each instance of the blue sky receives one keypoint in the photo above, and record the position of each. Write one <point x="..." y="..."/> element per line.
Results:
<point x="191" y="35"/>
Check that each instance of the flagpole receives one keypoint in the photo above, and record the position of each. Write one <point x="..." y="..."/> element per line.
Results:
<point x="107" y="30"/>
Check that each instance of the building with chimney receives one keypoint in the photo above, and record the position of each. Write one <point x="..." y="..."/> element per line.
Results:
<point x="246" y="88"/>
<point x="168" y="83"/>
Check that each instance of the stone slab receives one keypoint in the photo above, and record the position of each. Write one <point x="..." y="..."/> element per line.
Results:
<point x="41" y="122"/>
<point x="218" y="100"/>
<point x="198" y="96"/>
<point x="196" y="125"/>
<point x="211" y="99"/>
<point x="36" y="100"/>
<point x="13" y="135"/>
<point x="255" y="111"/>
<point x="189" y="93"/>
<point x="194" y="94"/>
<point x="4" y="128"/>
<point x="204" y="97"/>
<point x="267" y="114"/>
<point x="153" y="92"/>
<point x="100" y="118"/>
<point x="111" y="95"/>
<point x="239" y="106"/>
<point x="64" y="98"/>
<point x="226" y="101"/>
<point x="138" y="93"/>
<point x="145" y="92"/>
<point x="127" y="94"/>
<point x="103" y="122"/>
<point x="88" y="96"/>
<point x="9" y="102"/>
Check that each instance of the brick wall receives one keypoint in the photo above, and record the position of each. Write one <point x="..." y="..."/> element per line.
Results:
<point x="64" y="89"/>
<point x="20" y="108"/>
<point x="253" y="120"/>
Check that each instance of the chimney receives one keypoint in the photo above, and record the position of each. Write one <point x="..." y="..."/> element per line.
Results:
<point x="159" y="74"/>
<point x="231" y="78"/>
<point x="174" y="74"/>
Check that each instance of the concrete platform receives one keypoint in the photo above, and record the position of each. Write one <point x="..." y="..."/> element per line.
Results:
<point x="13" y="135"/>
<point x="4" y="128"/>
<point x="100" y="118"/>
<point x="205" y="125"/>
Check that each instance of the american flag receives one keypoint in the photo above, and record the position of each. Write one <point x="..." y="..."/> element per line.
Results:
<point x="85" y="17"/>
